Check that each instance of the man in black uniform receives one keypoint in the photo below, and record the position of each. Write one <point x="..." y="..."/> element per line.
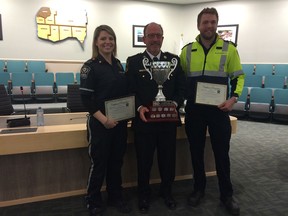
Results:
<point x="160" y="135"/>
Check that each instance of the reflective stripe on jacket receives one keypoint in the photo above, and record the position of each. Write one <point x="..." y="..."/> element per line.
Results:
<point x="222" y="60"/>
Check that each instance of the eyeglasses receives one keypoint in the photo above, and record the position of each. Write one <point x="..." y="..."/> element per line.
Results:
<point x="151" y="36"/>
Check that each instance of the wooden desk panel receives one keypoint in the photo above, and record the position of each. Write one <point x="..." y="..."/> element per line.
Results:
<point x="47" y="138"/>
<point x="53" y="161"/>
<point x="56" y="136"/>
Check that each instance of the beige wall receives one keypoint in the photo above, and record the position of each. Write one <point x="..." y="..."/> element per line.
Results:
<point x="262" y="28"/>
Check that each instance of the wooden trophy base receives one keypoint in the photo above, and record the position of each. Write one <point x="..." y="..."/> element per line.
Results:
<point x="162" y="111"/>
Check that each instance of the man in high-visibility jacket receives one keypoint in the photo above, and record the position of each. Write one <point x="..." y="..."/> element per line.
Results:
<point x="210" y="63"/>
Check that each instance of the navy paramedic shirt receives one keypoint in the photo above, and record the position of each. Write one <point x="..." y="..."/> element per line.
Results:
<point x="100" y="81"/>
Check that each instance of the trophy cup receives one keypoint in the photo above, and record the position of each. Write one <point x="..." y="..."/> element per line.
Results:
<point x="161" y="110"/>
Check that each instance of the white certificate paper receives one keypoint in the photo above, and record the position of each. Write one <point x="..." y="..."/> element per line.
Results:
<point x="120" y="108"/>
<point x="210" y="93"/>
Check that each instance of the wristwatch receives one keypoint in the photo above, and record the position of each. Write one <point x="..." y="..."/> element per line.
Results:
<point x="236" y="99"/>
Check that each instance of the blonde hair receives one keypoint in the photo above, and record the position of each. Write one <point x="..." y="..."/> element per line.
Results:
<point x="109" y="30"/>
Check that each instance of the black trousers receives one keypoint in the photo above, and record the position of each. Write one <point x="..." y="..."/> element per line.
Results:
<point x="148" y="138"/>
<point x="106" y="150"/>
<point x="197" y="119"/>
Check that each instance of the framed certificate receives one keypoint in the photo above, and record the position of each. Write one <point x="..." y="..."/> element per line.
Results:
<point x="210" y="93"/>
<point x="121" y="108"/>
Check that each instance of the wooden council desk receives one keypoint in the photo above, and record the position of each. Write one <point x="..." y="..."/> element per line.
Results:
<point x="53" y="162"/>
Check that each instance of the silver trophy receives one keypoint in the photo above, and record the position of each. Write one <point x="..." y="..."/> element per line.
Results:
<point x="160" y="71"/>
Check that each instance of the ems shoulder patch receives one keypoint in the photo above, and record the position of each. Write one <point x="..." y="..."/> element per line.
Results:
<point x="84" y="72"/>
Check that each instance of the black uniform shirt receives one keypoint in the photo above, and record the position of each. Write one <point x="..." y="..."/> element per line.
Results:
<point x="100" y="81"/>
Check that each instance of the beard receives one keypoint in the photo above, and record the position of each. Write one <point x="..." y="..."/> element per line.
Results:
<point x="208" y="36"/>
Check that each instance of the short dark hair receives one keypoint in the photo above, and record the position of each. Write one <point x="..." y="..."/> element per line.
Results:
<point x="207" y="11"/>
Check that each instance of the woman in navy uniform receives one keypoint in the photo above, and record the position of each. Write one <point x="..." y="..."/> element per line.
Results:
<point x="102" y="78"/>
<point x="152" y="135"/>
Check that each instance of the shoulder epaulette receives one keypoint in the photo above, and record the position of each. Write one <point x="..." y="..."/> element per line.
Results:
<point x="186" y="45"/>
<point x="230" y="42"/>
<point x="89" y="61"/>
<point x="169" y="53"/>
<point x="135" y="56"/>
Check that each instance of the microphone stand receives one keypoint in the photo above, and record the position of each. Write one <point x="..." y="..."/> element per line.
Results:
<point x="25" y="111"/>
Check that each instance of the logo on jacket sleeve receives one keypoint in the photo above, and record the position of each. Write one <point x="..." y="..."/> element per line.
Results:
<point x="84" y="72"/>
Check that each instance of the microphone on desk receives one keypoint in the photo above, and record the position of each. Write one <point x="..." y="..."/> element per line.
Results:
<point x="20" y="121"/>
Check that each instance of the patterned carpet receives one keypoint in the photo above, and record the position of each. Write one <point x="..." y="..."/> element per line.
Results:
<point x="259" y="171"/>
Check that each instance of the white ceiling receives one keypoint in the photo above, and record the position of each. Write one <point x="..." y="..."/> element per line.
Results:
<point x="181" y="1"/>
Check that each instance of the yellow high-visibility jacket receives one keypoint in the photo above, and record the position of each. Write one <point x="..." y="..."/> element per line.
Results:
<point x="220" y="65"/>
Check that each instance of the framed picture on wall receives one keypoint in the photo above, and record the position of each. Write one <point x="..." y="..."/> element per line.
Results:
<point x="1" y="34"/>
<point x="228" y="32"/>
<point x="138" y="33"/>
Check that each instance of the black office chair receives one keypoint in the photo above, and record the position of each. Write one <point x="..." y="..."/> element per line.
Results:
<point x="74" y="103"/>
<point x="6" y="107"/>
<point x="62" y="81"/>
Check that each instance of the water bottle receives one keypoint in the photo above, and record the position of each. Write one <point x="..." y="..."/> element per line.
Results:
<point x="40" y="116"/>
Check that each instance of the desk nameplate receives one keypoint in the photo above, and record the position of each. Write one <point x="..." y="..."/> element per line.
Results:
<point x="18" y="130"/>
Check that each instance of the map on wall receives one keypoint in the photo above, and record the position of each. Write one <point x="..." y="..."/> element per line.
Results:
<point x="56" y="25"/>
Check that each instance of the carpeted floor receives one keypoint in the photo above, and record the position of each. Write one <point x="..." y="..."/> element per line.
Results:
<point x="259" y="171"/>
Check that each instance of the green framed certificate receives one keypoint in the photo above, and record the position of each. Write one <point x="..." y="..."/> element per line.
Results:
<point x="121" y="108"/>
<point x="210" y="93"/>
